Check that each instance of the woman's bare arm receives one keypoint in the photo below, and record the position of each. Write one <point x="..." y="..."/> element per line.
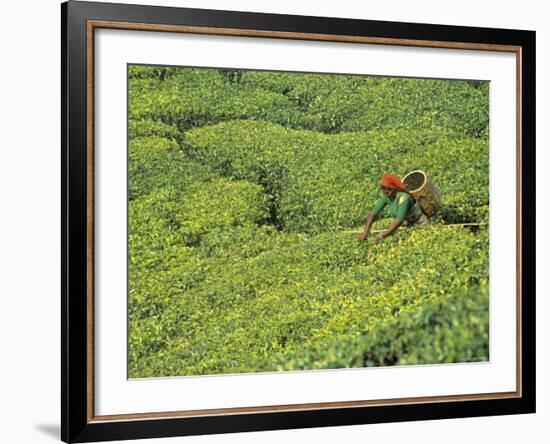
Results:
<point x="392" y="228"/>
<point x="368" y="223"/>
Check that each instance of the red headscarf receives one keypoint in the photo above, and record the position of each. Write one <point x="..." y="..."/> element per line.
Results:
<point x="392" y="181"/>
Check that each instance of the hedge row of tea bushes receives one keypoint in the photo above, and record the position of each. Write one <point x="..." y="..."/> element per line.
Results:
<point x="314" y="302"/>
<point x="194" y="97"/>
<point x="243" y="187"/>
<point x="320" y="182"/>
<point x="355" y="103"/>
<point x="448" y="329"/>
<point x="198" y="97"/>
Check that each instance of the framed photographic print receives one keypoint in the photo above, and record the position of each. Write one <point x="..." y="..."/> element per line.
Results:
<point x="275" y="221"/>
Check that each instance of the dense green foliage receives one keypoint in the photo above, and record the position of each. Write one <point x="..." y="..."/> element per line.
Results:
<point x="245" y="189"/>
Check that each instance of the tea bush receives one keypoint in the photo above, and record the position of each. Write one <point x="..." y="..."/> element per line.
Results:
<point x="153" y="128"/>
<point x="320" y="296"/>
<point x="220" y="203"/>
<point x="157" y="163"/>
<point x="302" y="88"/>
<point x="188" y="102"/>
<point x="406" y="103"/>
<point x="324" y="182"/>
<point x="358" y="103"/>
<point x="244" y="191"/>
<point x="327" y="103"/>
<point x="452" y="328"/>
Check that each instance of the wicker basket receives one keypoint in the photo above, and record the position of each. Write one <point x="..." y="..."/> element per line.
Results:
<point x="424" y="191"/>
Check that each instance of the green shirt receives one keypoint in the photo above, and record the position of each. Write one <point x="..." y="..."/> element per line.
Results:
<point x="398" y="207"/>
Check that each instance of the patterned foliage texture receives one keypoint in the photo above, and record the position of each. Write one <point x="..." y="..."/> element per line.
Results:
<point x="245" y="188"/>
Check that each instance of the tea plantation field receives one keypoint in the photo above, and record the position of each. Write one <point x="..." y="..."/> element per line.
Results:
<point x="243" y="189"/>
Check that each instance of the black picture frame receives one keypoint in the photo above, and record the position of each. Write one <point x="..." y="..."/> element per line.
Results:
<point x="77" y="425"/>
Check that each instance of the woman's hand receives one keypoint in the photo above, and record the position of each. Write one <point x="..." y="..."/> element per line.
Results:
<point x="379" y="238"/>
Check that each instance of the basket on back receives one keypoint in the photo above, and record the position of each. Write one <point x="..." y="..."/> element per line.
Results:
<point x="424" y="191"/>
